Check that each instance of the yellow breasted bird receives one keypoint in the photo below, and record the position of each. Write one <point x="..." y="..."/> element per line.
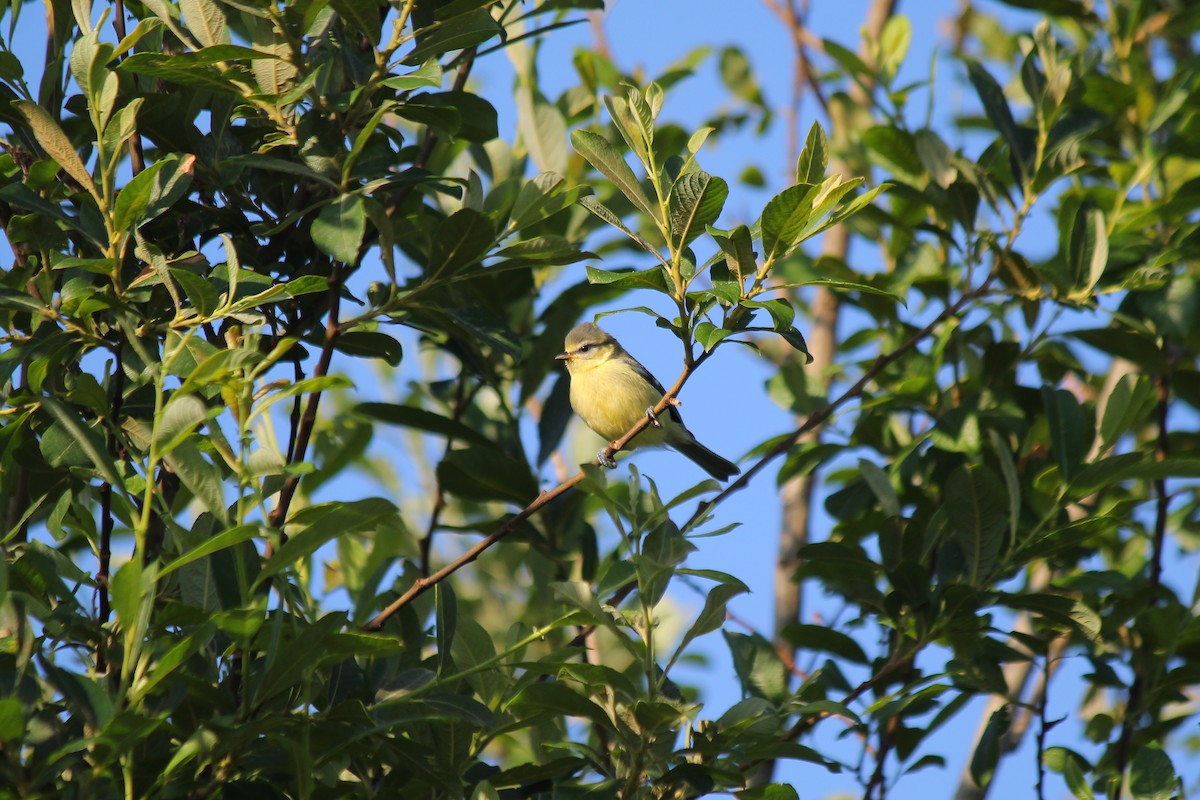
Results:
<point x="611" y="391"/>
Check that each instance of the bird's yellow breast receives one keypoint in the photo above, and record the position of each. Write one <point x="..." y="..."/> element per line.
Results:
<point x="610" y="397"/>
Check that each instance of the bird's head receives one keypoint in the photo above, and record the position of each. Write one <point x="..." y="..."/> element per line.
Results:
<point x="586" y="347"/>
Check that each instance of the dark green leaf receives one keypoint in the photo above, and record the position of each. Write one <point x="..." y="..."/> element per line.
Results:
<point x="370" y="344"/>
<point x="319" y="524"/>
<point x="821" y="639"/>
<point x="991" y="95"/>
<point x="604" y="157"/>
<point x="784" y="217"/>
<point x="652" y="278"/>
<point x="696" y="201"/>
<point x="1068" y="434"/>
<point x="895" y="150"/>
<point x="361" y="16"/>
<point x="987" y="752"/>
<point x="79" y="435"/>
<point x="339" y="228"/>
<point x="459" y="241"/>
<point x="814" y="158"/>
<point x="977" y="512"/>
<point x="757" y="665"/>
<point x="1152" y="776"/>
<point x="485" y="473"/>
<point x="1087" y="254"/>
<point x="457" y="33"/>
<point x="713" y="615"/>
<point x="422" y="420"/>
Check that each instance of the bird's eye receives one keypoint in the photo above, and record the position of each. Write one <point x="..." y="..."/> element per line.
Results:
<point x="583" y="348"/>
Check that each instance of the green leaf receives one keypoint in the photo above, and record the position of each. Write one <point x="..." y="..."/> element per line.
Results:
<point x="320" y="523"/>
<point x="604" y="157"/>
<point x="603" y="212"/>
<point x="712" y="616"/>
<point x="223" y="540"/>
<point x="206" y="21"/>
<point x="129" y="588"/>
<point x="977" y="516"/>
<point x="758" y="666"/>
<point x="174" y="658"/>
<point x="996" y="107"/>
<point x="785" y="216"/>
<point x="1129" y="403"/>
<point x="1130" y="466"/>
<point x="1152" y="776"/>
<point x="485" y="473"/>
<point x="370" y="344"/>
<point x="822" y="639"/>
<point x="814" y="158"/>
<point x="543" y="130"/>
<point x="459" y="241"/>
<point x="182" y="415"/>
<point x="739" y="246"/>
<point x="696" y="201"/>
<point x="305" y="284"/>
<point x="446" y="617"/>
<point x="1087" y="254"/>
<point x="422" y="420"/>
<point x="936" y="158"/>
<point x="987" y="752"/>
<point x="428" y="75"/>
<point x="295" y="656"/>
<point x="652" y="278"/>
<point x="201" y="477"/>
<point x="199" y="290"/>
<point x="52" y="139"/>
<point x="84" y="437"/>
<point x="893" y="45"/>
<point x="476" y="117"/>
<point x="895" y="150"/>
<point x="1068" y="434"/>
<point x="1059" y="8"/>
<point x="456" y="33"/>
<point x="361" y="16"/>
<point x="12" y="720"/>
<point x="881" y="486"/>
<point x="194" y="68"/>
<point x="339" y="228"/>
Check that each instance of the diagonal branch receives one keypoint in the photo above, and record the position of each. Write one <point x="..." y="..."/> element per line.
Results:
<point x="424" y="584"/>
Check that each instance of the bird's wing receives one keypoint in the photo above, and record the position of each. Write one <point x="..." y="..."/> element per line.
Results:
<point x="672" y="409"/>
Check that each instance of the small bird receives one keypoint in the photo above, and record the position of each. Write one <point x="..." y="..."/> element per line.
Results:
<point x="611" y="391"/>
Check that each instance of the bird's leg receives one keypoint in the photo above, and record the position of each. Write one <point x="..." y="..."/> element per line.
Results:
<point x="653" y="417"/>
<point x="605" y="461"/>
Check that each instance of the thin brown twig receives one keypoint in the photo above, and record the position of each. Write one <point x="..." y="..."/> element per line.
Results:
<point x="137" y="158"/>
<point x="1137" y="689"/>
<point x="103" y="568"/>
<point x="308" y="420"/>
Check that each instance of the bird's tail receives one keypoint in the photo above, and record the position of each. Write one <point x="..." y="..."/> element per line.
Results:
<point x="720" y="468"/>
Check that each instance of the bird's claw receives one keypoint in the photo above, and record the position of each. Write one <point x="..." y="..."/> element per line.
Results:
<point x="653" y="417"/>
<point x="605" y="461"/>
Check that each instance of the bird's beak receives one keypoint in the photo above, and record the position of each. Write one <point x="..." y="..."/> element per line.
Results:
<point x="563" y="357"/>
